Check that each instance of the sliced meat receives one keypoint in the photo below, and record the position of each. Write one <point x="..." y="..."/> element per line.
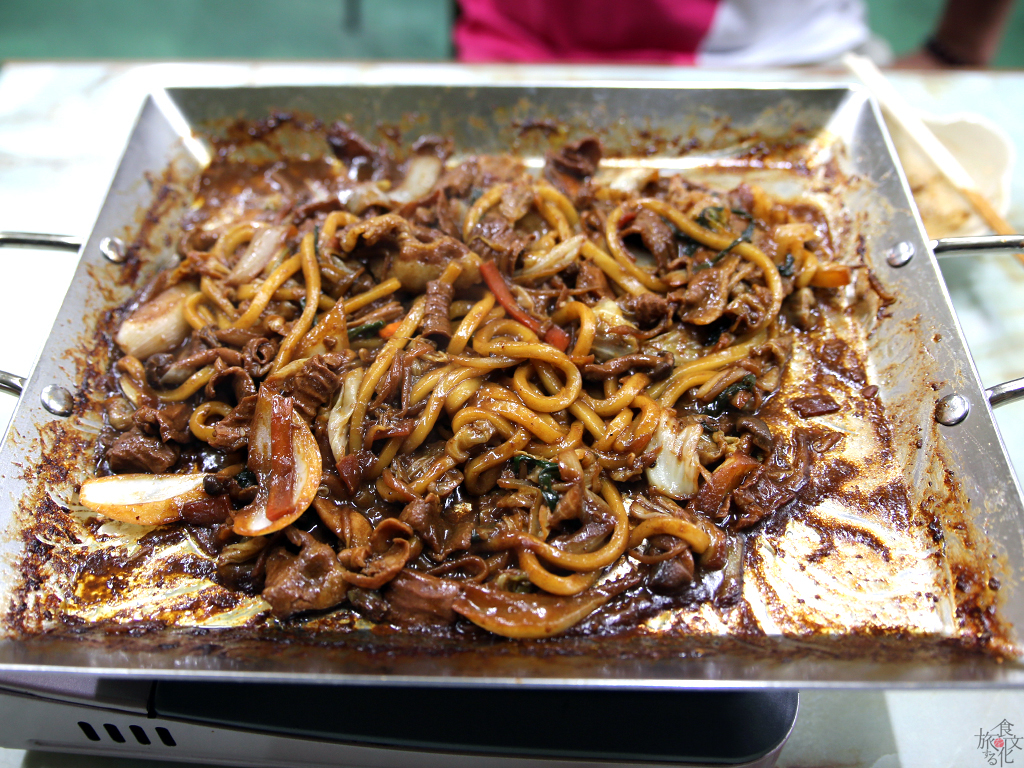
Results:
<point x="579" y="159"/>
<point x="390" y="383"/>
<point x="657" y="236"/>
<point x="436" y="324"/>
<point x="594" y="516"/>
<point x="388" y="425"/>
<point x="312" y="580"/>
<point x="232" y="432"/>
<point x="353" y="466"/>
<point x="516" y="201"/>
<point x="458" y="181"/>
<point x="840" y="358"/>
<point x="315" y="383"/>
<point x="495" y="169"/>
<point x="669" y="575"/>
<point x="712" y="499"/>
<point x="649" y="308"/>
<point x="421" y="600"/>
<point x="364" y="160"/>
<point x="207" y="356"/>
<point x="230" y="384"/>
<point x="235" y="337"/>
<point x="571" y="167"/>
<point x="424" y="517"/>
<point x="418" y="262"/>
<point x="592" y="283"/>
<point x="135" y="451"/>
<point x="443" y="532"/>
<point x="760" y="432"/>
<point x="704" y="298"/>
<point x="495" y="239"/>
<point x="758" y="498"/>
<point x="658" y="365"/>
<point x="170" y="423"/>
<point x="814" y="405"/>
<point x="258" y="356"/>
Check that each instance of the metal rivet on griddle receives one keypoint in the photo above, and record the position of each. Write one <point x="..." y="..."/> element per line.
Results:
<point x="900" y="254"/>
<point x="113" y="249"/>
<point x="952" y="409"/>
<point x="57" y="400"/>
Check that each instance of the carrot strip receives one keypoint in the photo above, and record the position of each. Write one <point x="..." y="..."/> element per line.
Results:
<point x="389" y="330"/>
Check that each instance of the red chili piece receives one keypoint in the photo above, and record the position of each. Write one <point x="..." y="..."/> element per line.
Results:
<point x="554" y="336"/>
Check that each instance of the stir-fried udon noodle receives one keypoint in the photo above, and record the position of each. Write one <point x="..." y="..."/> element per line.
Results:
<point x="432" y="391"/>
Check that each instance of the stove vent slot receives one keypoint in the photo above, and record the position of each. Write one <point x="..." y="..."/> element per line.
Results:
<point x="136" y="730"/>
<point x="165" y="736"/>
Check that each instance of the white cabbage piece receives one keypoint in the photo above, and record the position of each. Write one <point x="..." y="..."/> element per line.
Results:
<point x="341" y="413"/>
<point x="608" y="345"/>
<point x="677" y="468"/>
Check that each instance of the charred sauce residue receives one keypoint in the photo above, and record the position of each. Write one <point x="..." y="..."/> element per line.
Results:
<point x="64" y="576"/>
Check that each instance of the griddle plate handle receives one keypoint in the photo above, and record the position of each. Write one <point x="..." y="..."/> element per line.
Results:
<point x="967" y="246"/>
<point x="8" y="381"/>
<point x="1008" y="391"/>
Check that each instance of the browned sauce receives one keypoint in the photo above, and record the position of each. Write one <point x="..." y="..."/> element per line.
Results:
<point x="494" y="519"/>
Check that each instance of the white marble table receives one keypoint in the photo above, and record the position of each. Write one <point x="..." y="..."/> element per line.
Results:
<point x="62" y="128"/>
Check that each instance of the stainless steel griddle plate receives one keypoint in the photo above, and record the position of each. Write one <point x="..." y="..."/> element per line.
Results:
<point x="918" y="356"/>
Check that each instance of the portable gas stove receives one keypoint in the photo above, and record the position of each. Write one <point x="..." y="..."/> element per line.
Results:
<point x="255" y="724"/>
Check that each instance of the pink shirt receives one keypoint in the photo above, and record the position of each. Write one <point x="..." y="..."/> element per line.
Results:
<point x="710" y="32"/>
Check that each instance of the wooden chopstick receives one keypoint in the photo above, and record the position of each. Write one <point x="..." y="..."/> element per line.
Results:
<point x="921" y="134"/>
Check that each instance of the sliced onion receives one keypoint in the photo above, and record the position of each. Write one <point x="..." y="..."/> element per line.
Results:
<point x="264" y="245"/>
<point x="341" y="413"/>
<point x="252" y="520"/>
<point x="142" y="499"/>
<point x="159" y="325"/>
<point x="677" y="467"/>
<point x="359" y="197"/>
<point x="420" y="177"/>
<point x="537" y="266"/>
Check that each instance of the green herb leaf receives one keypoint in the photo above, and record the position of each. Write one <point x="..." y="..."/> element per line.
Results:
<point x="689" y="245"/>
<point x="547" y="471"/>
<point x="742" y="214"/>
<point x="786" y="270"/>
<point x="246" y="478"/>
<point x="746" y="237"/>
<point x="362" y="331"/>
<point x="712" y="217"/>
